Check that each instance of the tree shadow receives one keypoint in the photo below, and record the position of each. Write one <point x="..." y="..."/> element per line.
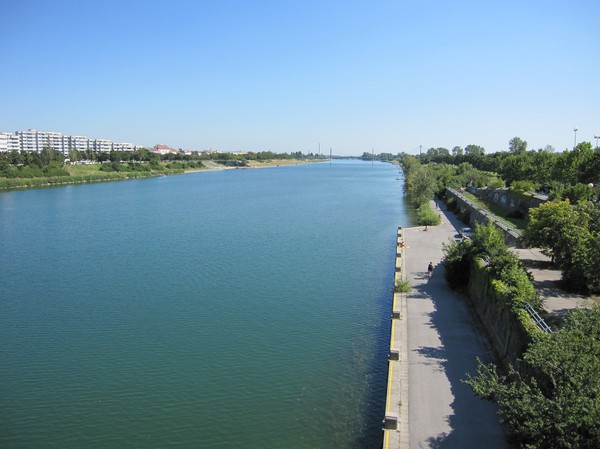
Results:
<point x="456" y="356"/>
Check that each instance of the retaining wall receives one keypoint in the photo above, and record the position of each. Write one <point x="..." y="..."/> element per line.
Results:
<point x="505" y="333"/>
<point x="511" y="201"/>
<point x="478" y="215"/>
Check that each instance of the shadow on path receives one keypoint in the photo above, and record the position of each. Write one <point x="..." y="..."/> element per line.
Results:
<point x="455" y="356"/>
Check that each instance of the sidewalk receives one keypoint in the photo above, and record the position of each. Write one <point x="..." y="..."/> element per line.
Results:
<point x="557" y="302"/>
<point x="436" y="343"/>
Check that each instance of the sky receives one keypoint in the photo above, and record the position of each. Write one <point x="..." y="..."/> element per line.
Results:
<point x="378" y="75"/>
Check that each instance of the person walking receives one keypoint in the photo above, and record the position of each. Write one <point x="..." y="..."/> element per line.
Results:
<point x="430" y="269"/>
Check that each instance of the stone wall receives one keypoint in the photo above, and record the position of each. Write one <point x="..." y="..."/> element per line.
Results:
<point x="505" y="333"/>
<point x="478" y="215"/>
<point x="511" y="201"/>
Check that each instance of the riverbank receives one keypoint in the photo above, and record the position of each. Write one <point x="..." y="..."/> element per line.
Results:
<point x="434" y="343"/>
<point x="83" y="174"/>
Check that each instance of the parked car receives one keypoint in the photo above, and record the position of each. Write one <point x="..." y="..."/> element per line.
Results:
<point x="466" y="233"/>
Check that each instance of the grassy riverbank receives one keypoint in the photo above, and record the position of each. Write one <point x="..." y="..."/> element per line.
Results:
<point x="80" y="174"/>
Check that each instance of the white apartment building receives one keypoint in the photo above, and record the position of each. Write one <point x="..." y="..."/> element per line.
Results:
<point x="102" y="145"/>
<point x="9" y="142"/>
<point x="123" y="146"/>
<point x="34" y="140"/>
<point x="79" y="143"/>
<point x="28" y="140"/>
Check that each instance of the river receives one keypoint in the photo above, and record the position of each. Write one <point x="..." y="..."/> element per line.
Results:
<point x="225" y="309"/>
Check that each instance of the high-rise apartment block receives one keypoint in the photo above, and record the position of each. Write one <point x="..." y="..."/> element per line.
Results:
<point x="33" y="140"/>
<point x="9" y="142"/>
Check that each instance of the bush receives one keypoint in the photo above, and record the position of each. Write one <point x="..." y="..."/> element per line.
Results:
<point x="457" y="259"/>
<point x="521" y="187"/>
<point x="402" y="286"/>
<point x="558" y="407"/>
<point x="426" y="216"/>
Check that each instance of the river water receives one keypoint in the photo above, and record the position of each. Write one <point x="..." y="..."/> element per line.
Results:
<point x="228" y="309"/>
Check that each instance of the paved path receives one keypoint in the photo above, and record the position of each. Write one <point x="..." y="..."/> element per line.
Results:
<point x="437" y="337"/>
<point x="546" y="277"/>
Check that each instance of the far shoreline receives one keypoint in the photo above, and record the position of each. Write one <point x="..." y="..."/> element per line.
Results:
<point x="125" y="176"/>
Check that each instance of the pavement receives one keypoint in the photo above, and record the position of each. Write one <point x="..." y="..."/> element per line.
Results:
<point x="546" y="280"/>
<point x="436" y="341"/>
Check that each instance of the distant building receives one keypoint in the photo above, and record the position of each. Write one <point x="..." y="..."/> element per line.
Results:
<point x="34" y="140"/>
<point x="163" y="149"/>
<point x="120" y="146"/>
<point x="102" y="145"/>
<point x="9" y="142"/>
<point x="79" y="143"/>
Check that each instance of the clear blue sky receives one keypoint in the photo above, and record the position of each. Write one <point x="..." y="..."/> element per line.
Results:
<point x="288" y="75"/>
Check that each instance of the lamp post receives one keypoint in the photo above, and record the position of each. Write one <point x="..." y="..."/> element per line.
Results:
<point x="575" y="140"/>
<point x="596" y="137"/>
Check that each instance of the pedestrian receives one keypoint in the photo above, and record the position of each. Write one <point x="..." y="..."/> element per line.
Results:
<point x="430" y="269"/>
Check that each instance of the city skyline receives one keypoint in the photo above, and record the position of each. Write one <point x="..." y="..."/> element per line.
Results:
<point x="285" y="76"/>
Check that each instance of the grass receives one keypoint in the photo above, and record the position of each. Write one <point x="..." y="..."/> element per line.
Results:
<point x="498" y="211"/>
<point x="402" y="286"/>
<point x="91" y="173"/>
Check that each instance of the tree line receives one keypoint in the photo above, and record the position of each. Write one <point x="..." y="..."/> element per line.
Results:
<point x="50" y="163"/>
<point x="559" y="174"/>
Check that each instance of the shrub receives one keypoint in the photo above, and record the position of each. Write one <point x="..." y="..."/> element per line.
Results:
<point x="521" y="187"/>
<point x="457" y="263"/>
<point x="557" y="408"/>
<point x="402" y="286"/>
<point x="426" y="215"/>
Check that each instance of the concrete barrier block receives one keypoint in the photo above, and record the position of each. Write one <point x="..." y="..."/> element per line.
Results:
<point x="390" y="422"/>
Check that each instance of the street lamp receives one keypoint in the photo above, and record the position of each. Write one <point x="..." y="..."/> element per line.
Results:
<point x="596" y="137"/>
<point x="575" y="141"/>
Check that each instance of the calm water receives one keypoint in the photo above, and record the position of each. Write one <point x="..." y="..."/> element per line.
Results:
<point x="243" y="308"/>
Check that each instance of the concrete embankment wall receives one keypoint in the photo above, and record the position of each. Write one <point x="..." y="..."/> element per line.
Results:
<point x="395" y="422"/>
<point x="478" y="215"/>
<point x="512" y="201"/>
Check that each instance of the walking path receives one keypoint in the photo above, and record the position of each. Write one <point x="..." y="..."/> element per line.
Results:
<point x="546" y="280"/>
<point x="436" y="343"/>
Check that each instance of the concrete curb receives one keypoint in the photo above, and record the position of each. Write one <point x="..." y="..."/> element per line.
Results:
<point x="395" y="423"/>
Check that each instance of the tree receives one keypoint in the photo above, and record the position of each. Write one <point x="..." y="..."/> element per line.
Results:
<point x="517" y="146"/>
<point x="517" y="167"/>
<point x="422" y="185"/>
<point x="570" y="234"/>
<point x="558" y="407"/>
<point x="571" y="165"/>
<point x="474" y="150"/>
<point x="457" y="151"/>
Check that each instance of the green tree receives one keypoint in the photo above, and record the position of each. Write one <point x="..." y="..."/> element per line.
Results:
<point x="517" y="146"/>
<point x="559" y="406"/>
<point x="571" y="165"/>
<point x="570" y="234"/>
<point x="423" y="186"/>
<point x="474" y="150"/>
<point x="457" y="151"/>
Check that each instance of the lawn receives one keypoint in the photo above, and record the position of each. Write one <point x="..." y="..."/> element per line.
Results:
<point x="498" y="211"/>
